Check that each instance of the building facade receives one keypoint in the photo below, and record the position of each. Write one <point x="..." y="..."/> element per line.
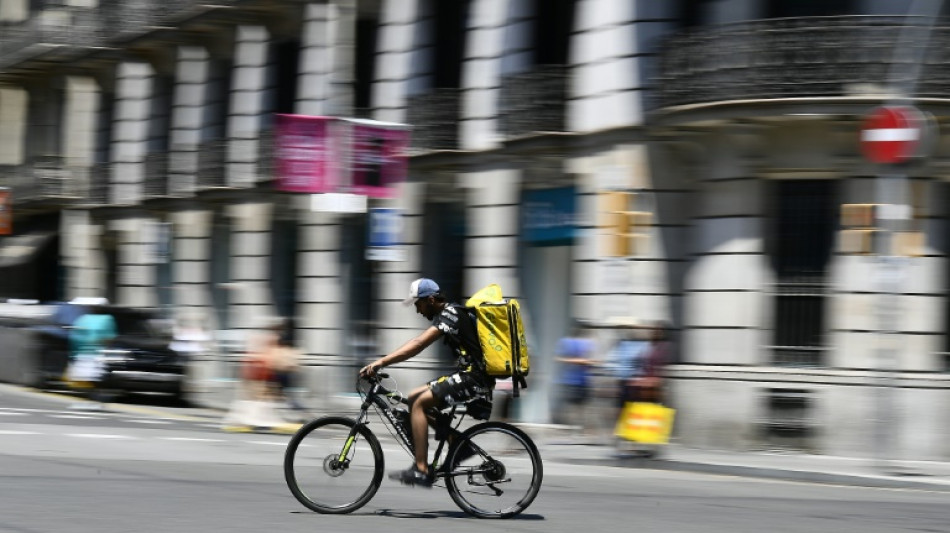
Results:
<point x="137" y="143"/>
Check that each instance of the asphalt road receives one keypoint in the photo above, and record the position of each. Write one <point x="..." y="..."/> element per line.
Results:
<point x="156" y="470"/>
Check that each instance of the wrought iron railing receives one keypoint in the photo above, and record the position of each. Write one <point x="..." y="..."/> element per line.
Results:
<point x="99" y="184"/>
<point x="69" y="30"/>
<point x="156" y="175"/>
<point x="267" y="160"/>
<point x="211" y="163"/>
<point x="63" y="31"/>
<point x="796" y="57"/>
<point x="43" y="179"/>
<point x="434" y="118"/>
<point x="534" y="101"/>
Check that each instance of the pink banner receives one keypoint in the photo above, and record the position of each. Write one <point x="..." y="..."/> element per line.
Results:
<point x="378" y="159"/>
<point x="330" y="154"/>
<point x="307" y="157"/>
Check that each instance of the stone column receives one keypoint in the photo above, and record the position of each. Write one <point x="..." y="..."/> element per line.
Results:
<point x="325" y="88"/>
<point x="79" y="249"/>
<point x="405" y="47"/>
<point x="250" y="265"/>
<point x="187" y="118"/>
<point x="133" y="98"/>
<point x="247" y="105"/>
<point x="136" y="278"/>
<point x="13" y="109"/>
<point x="191" y="244"/>
<point x="79" y="122"/>
<point x="481" y="75"/>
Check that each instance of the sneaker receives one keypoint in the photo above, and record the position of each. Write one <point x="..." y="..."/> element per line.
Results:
<point x="412" y="476"/>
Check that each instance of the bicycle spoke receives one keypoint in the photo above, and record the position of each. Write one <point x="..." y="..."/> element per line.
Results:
<point x="332" y="471"/>
<point x="502" y="479"/>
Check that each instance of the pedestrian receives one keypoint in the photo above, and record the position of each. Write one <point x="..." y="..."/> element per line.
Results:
<point x="89" y="335"/>
<point x="283" y="359"/>
<point x="253" y="408"/>
<point x="576" y="355"/>
<point x="625" y="363"/>
<point x="648" y="385"/>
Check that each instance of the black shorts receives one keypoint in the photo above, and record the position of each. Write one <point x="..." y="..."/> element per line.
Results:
<point x="460" y="388"/>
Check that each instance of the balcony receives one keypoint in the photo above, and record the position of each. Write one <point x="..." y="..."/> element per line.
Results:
<point x="97" y="187"/>
<point x="434" y="119"/>
<point x="130" y="19"/>
<point x="534" y="101"/>
<point x="45" y="179"/>
<point x="57" y="31"/>
<point x="156" y="175"/>
<point x="266" y="165"/>
<point x="795" y="58"/>
<point x="211" y="171"/>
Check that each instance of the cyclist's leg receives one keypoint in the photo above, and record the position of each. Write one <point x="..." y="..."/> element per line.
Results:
<point x="420" y="400"/>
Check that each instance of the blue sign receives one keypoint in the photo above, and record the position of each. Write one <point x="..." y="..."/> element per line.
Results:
<point x="385" y="235"/>
<point x="548" y="216"/>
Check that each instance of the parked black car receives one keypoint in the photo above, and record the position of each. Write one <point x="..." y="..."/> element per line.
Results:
<point x="139" y="359"/>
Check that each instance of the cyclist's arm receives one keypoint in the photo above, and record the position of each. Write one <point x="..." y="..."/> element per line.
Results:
<point x="407" y="350"/>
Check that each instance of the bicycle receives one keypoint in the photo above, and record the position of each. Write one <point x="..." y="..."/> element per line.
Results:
<point x="334" y="464"/>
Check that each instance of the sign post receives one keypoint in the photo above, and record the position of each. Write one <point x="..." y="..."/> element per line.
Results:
<point x="892" y="137"/>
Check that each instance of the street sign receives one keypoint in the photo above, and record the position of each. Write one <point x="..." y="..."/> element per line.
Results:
<point x="385" y="235"/>
<point x="892" y="134"/>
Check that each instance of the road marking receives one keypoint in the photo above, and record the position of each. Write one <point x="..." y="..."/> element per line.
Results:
<point x="11" y="414"/>
<point x="192" y="439"/>
<point x="266" y="443"/>
<point x="101" y="436"/>
<point x="143" y="421"/>
<point x="15" y="432"/>
<point x="77" y="417"/>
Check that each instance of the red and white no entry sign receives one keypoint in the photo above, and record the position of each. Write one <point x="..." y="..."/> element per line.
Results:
<point x="891" y="134"/>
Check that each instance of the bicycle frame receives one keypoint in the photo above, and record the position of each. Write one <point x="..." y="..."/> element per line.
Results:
<point x="382" y="398"/>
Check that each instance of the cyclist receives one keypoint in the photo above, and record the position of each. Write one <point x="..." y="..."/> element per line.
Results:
<point x="457" y="326"/>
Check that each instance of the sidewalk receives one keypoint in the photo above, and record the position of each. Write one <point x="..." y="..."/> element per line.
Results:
<point x="783" y="465"/>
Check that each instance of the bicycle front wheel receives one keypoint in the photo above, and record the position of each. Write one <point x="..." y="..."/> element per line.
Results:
<point x="333" y="466"/>
<point x="494" y="471"/>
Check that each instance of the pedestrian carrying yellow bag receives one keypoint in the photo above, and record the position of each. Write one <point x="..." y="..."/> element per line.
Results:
<point x="647" y="423"/>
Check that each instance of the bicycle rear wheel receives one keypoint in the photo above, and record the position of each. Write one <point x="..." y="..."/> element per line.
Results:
<point x="332" y="468"/>
<point x="494" y="471"/>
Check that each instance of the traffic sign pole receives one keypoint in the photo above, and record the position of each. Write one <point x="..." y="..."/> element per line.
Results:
<point x="892" y="136"/>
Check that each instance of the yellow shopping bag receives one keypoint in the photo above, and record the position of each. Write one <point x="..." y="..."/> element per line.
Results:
<point x="649" y="423"/>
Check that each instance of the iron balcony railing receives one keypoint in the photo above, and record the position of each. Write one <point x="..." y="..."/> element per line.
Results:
<point x="797" y="57"/>
<point x="434" y="119"/>
<point x="69" y="30"/>
<point x="43" y="179"/>
<point x="266" y="165"/>
<point x="61" y="31"/>
<point x="211" y="162"/>
<point x="156" y="175"/>
<point x="98" y="187"/>
<point x="534" y="101"/>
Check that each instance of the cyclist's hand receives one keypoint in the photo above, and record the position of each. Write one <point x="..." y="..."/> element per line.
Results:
<point x="370" y="370"/>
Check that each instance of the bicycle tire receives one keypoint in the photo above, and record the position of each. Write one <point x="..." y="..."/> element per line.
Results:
<point x="472" y="480"/>
<point x="310" y="465"/>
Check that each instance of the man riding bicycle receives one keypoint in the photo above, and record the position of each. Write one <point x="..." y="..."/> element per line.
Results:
<point x="457" y="325"/>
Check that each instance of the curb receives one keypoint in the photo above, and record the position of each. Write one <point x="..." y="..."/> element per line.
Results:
<point x="809" y="476"/>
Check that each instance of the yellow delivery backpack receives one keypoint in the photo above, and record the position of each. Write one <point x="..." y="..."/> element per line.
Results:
<point x="501" y="335"/>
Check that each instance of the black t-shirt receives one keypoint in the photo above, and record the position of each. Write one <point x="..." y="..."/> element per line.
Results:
<point x="457" y="325"/>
